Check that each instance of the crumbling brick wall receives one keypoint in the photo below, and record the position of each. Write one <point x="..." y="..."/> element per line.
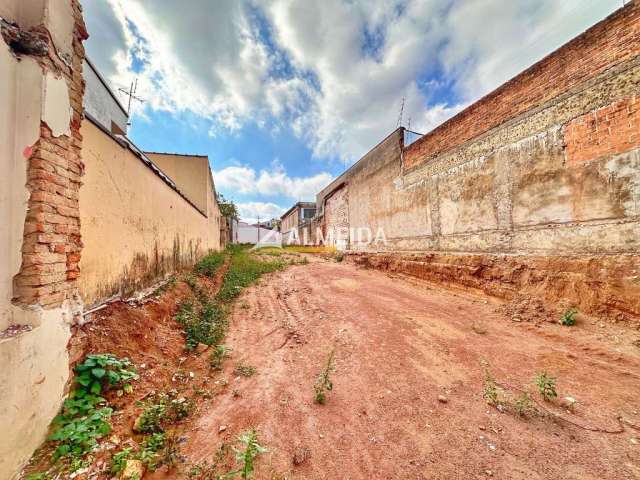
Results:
<point x="52" y="244"/>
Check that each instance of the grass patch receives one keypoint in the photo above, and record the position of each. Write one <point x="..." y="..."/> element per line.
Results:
<point x="209" y="264"/>
<point x="244" y="270"/>
<point x="202" y="322"/>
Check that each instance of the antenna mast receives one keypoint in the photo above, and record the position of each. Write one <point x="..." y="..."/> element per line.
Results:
<point x="132" y="96"/>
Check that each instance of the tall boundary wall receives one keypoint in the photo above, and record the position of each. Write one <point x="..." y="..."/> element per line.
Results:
<point x="137" y="224"/>
<point x="533" y="190"/>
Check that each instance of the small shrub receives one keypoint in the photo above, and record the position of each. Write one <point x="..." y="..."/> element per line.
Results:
<point x="149" y="449"/>
<point x="568" y="318"/>
<point x="245" y="370"/>
<point x="104" y="370"/>
<point x="546" y="385"/>
<point x="490" y="393"/>
<point x="339" y="257"/>
<point x="119" y="460"/>
<point x="82" y="421"/>
<point x="217" y="356"/>
<point x="151" y="418"/>
<point x="160" y="411"/>
<point x="523" y="405"/>
<point x="323" y="383"/>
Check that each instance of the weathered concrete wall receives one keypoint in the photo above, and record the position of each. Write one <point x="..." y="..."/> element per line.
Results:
<point x="136" y="227"/>
<point x="554" y="174"/>
<point x="41" y="90"/>
<point x="191" y="174"/>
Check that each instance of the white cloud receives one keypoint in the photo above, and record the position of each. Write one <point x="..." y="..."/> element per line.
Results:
<point x="270" y="183"/>
<point x="341" y="93"/>
<point x="252" y="211"/>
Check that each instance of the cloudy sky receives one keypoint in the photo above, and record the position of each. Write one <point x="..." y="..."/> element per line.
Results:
<point x="283" y="94"/>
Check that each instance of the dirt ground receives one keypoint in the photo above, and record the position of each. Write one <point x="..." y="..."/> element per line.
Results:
<point x="407" y="402"/>
<point x="399" y="345"/>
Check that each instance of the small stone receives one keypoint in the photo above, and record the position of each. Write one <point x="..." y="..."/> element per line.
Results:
<point x="489" y="473"/>
<point x="569" y="403"/>
<point x="133" y="469"/>
<point x="482" y="428"/>
<point x="634" y="440"/>
<point x="442" y="399"/>
<point x="222" y="428"/>
<point x="202" y="347"/>
<point x="516" y="319"/>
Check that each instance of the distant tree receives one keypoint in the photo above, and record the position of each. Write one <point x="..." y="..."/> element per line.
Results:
<point x="228" y="208"/>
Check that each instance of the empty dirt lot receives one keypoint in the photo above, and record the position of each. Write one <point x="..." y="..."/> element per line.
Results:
<point x="399" y="345"/>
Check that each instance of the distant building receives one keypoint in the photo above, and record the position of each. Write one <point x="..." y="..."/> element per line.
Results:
<point x="293" y="219"/>
<point x="252" y="234"/>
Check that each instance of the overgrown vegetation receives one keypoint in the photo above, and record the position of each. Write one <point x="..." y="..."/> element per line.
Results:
<point x="155" y="450"/>
<point x="546" y="385"/>
<point x="84" y="417"/>
<point x="161" y="410"/>
<point x="202" y="322"/>
<point x="323" y="383"/>
<point x="209" y="264"/>
<point x="244" y="270"/>
<point x="568" y="318"/>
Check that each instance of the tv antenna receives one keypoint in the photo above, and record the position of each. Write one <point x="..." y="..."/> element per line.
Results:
<point x="401" y="113"/>
<point x="132" y="96"/>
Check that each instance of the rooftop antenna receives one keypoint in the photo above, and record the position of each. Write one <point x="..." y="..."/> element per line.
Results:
<point x="409" y="124"/>
<point x="132" y="96"/>
<point x="401" y="114"/>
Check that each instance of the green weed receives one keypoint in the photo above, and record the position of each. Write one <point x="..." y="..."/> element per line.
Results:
<point x="246" y="457"/>
<point x="568" y="318"/>
<point x="546" y="385"/>
<point x="523" y="405"/>
<point x="84" y="419"/>
<point x="323" y="383"/>
<point x="217" y="356"/>
<point x="490" y="389"/>
<point x="209" y="264"/>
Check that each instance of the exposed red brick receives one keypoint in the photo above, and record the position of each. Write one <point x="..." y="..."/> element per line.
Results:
<point x="52" y="243"/>
<point x="609" y="43"/>
<point x="613" y="129"/>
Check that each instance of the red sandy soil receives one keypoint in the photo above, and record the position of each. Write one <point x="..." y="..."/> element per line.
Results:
<point x="399" y="344"/>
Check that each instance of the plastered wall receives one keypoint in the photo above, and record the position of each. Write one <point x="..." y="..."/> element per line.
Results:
<point x="41" y="96"/>
<point x="557" y="179"/>
<point x="135" y="227"/>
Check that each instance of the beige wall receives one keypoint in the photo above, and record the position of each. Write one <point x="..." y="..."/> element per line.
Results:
<point x="191" y="174"/>
<point x="135" y="227"/>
